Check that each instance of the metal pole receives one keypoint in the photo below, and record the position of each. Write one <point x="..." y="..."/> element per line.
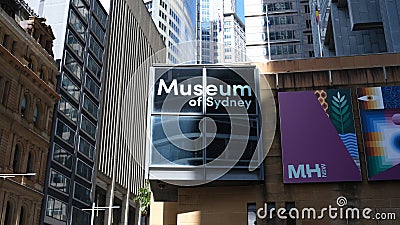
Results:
<point x="92" y="217"/>
<point x="268" y="39"/>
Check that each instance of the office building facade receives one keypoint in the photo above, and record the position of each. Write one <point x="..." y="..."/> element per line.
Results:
<point x="222" y="32"/>
<point x="134" y="41"/>
<point x="80" y="31"/>
<point x="28" y="94"/>
<point x="289" y="34"/>
<point x="358" y="27"/>
<point x="176" y="23"/>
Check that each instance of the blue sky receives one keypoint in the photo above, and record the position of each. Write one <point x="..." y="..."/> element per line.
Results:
<point x="240" y="9"/>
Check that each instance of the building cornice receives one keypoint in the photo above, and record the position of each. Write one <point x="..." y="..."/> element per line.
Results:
<point x="329" y="63"/>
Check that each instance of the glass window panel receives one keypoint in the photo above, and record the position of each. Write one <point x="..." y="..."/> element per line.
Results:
<point x="80" y="217"/>
<point x="56" y="209"/>
<point x="83" y="170"/>
<point x="94" y="67"/>
<point x="82" y="8"/>
<point x="171" y="80"/>
<point x="92" y="86"/>
<point x="73" y="65"/>
<point x="68" y="110"/>
<point x="59" y="181"/>
<point x="74" y="43"/>
<point x="82" y="193"/>
<point x="165" y="152"/>
<point x="98" y="31"/>
<point x="70" y="87"/>
<point x="62" y="156"/>
<point x="240" y="132"/>
<point x="86" y="148"/>
<point x="77" y="24"/>
<point x="65" y="132"/>
<point x="99" y="13"/>
<point x="96" y="48"/>
<point x="90" y="106"/>
<point x="89" y="127"/>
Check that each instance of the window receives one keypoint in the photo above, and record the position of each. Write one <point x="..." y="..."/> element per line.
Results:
<point x="68" y="110"/>
<point x="308" y="23"/>
<point x="307" y="9"/>
<point x="92" y="86"/>
<point x="83" y="170"/>
<point x="282" y="35"/>
<point x="65" y="132"/>
<point x="96" y="49"/>
<point x="99" y="13"/>
<point x="283" y="49"/>
<point x="88" y="127"/>
<point x="98" y="31"/>
<point x="82" y="8"/>
<point x="279" y="6"/>
<point x="77" y="24"/>
<point x="70" y="87"/>
<point x="94" y="67"/>
<point x="310" y="39"/>
<point x="16" y="159"/>
<point x="4" y="98"/>
<point x="289" y="206"/>
<point x="251" y="214"/>
<point x="271" y="209"/>
<point x="8" y="215"/>
<point x="23" y="105"/>
<point x="29" y="165"/>
<point x="72" y="65"/>
<point x="35" y="115"/>
<point x="90" y="106"/>
<point x="21" y="220"/>
<point x="80" y="217"/>
<point x="74" y="43"/>
<point x="82" y="193"/>
<point x="311" y="54"/>
<point x="5" y="40"/>
<point x="56" y="209"/>
<point x="280" y="20"/>
<point x="62" y="156"/>
<point x="86" y="148"/>
<point x="59" y="181"/>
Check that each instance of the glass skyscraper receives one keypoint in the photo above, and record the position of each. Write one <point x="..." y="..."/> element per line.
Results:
<point x="80" y="31"/>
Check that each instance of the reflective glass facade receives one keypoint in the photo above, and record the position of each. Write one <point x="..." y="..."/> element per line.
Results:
<point x="70" y="178"/>
<point x="204" y="120"/>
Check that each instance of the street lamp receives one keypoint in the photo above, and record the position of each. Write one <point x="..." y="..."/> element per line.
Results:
<point x="94" y="208"/>
<point x="12" y="175"/>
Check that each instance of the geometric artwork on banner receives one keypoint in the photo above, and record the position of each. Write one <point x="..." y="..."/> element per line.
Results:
<point x="318" y="136"/>
<point x="380" y="123"/>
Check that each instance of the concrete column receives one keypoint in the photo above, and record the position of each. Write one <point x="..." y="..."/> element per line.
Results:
<point x="125" y="209"/>
<point x="109" y="202"/>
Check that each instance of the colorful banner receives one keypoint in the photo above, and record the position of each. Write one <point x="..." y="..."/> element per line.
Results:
<point x="380" y="122"/>
<point x="318" y="136"/>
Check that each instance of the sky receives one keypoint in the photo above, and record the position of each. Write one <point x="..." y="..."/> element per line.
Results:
<point x="106" y="5"/>
<point x="240" y="9"/>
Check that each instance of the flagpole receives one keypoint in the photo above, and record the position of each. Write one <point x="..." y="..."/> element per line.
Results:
<point x="318" y="30"/>
<point x="268" y="39"/>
